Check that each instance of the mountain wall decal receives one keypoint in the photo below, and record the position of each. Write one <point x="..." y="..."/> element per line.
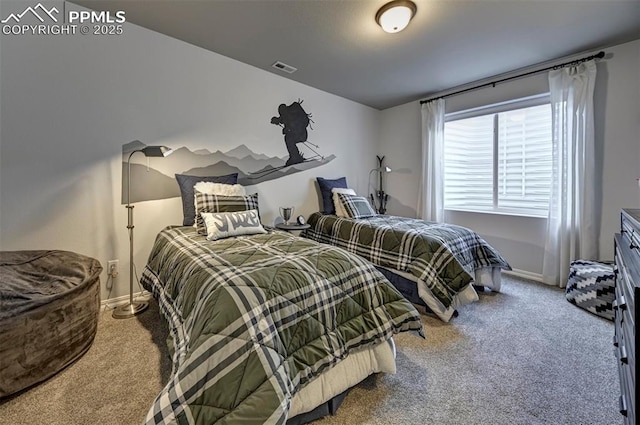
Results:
<point x="158" y="180"/>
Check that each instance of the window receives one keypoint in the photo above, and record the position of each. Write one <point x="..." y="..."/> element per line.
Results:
<point x="498" y="158"/>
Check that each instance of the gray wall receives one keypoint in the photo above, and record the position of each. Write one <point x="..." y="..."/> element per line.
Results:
<point x="520" y="239"/>
<point x="69" y="103"/>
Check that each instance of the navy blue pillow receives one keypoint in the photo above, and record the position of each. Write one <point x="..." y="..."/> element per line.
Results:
<point x="186" y="184"/>
<point x="327" y="196"/>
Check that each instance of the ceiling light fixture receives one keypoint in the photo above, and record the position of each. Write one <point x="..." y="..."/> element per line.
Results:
<point x="395" y="16"/>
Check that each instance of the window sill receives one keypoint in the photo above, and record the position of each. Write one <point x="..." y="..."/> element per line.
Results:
<point x="497" y="212"/>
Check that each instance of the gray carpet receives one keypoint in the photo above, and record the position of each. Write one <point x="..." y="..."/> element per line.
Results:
<point x="524" y="356"/>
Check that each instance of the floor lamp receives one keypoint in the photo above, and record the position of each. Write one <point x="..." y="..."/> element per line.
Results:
<point x="134" y="308"/>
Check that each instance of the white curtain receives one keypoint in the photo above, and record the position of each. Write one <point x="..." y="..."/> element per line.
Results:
<point x="431" y="193"/>
<point x="571" y="226"/>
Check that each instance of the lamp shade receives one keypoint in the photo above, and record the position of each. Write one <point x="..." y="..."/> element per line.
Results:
<point x="156" y="151"/>
<point x="395" y="16"/>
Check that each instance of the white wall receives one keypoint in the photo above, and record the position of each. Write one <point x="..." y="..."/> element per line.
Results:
<point x="400" y="144"/>
<point x="69" y="103"/>
<point x="521" y="240"/>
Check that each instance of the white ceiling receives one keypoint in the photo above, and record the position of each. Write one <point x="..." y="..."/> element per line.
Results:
<point x="337" y="46"/>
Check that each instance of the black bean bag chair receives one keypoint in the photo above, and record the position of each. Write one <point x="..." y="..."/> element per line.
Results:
<point x="49" y="305"/>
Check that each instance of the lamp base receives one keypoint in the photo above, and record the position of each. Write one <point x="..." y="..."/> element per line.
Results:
<point x="129" y="310"/>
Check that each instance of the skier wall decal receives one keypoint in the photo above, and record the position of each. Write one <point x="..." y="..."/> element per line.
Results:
<point x="294" y="121"/>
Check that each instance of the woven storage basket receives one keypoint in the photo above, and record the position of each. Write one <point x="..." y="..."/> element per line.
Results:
<point x="591" y="286"/>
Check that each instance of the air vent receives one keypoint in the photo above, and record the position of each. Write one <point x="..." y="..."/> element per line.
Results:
<point x="284" y="67"/>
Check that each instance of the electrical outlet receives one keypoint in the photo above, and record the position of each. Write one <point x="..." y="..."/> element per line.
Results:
<point x="112" y="268"/>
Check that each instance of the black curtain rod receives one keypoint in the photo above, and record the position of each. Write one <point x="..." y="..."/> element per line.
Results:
<point x="598" y="55"/>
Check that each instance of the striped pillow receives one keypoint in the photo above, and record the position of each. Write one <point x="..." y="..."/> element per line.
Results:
<point x="356" y="206"/>
<point x="210" y="203"/>
<point x="336" y="201"/>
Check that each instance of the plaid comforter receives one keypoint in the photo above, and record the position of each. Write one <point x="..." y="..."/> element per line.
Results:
<point x="444" y="256"/>
<point x="255" y="318"/>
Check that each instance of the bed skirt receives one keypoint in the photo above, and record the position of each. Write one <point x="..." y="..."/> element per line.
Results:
<point x="323" y="395"/>
<point x="419" y="294"/>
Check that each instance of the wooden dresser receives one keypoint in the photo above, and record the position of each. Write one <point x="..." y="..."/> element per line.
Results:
<point x="625" y="340"/>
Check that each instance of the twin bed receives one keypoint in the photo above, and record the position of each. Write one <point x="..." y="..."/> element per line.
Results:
<point x="440" y="263"/>
<point x="436" y="265"/>
<point x="267" y="327"/>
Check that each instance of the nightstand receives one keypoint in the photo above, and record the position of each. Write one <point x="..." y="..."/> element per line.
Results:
<point x="292" y="227"/>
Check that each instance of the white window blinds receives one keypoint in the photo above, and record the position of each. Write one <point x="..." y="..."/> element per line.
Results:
<point x="498" y="158"/>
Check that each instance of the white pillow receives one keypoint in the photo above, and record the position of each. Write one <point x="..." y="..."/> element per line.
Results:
<point x="220" y="189"/>
<point x="340" y="212"/>
<point x="227" y="224"/>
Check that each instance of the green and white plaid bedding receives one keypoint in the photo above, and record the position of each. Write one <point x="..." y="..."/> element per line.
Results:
<point x="254" y="318"/>
<point x="444" y="256"/>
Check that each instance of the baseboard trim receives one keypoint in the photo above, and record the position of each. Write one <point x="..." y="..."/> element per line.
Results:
<point x="112" y="303"/>
<point x="525" y="275"/>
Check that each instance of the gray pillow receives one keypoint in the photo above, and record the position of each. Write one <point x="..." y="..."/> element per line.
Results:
<point x="186" y="183"/>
